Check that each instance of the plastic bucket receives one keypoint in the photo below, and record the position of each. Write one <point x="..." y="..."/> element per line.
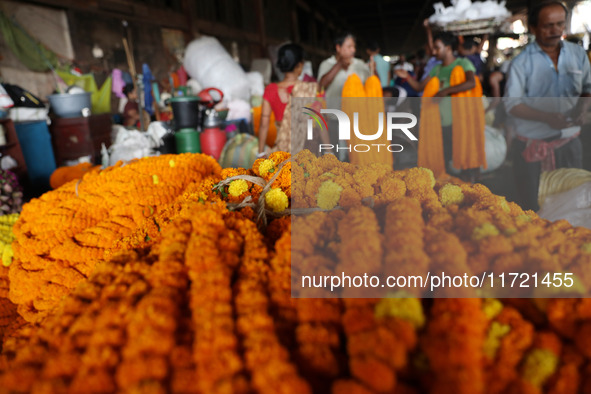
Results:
<point x="186" y="112"/>
<point x="35" y="142"/>
<point x="69" y="105"/>
<point x="187" y="141"/>
<point x="213" y="141"/>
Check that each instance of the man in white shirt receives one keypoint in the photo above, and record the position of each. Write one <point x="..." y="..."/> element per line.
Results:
<point x="402" y="64"/>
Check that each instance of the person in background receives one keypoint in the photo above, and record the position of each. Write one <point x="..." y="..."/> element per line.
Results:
<point x="333" y="72"/>
<point x="382" y="66"/>
<point x="444" y="45"/>
<point x="422" y="58"/>
<point x="432" y="61"/>
<point x="131" y="111"/>
<point x="276" y="98"/>
<point x="403" y="64"/>
<point x="497" y="80"/>
<point x="547" y="130"/>
<point x="471" y="51"/>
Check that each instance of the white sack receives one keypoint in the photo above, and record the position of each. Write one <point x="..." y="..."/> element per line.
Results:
<point x="573" y="205"/>
<point x="207" y="61"/>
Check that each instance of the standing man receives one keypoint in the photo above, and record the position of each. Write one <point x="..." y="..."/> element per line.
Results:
<point x="444" y="45"/>
<point x="472" y="51"/>
<point x="382" y="66"/>
<point x="543" y="91"/>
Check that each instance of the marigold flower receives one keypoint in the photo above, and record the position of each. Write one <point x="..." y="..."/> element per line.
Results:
<point x="539" y="365"/>
<point x="328" y="195"/>
<point x="450" y="194"/>
<point x="492" y="307"/>
<point x="586" y="248"/>
<point x="493" y="339"/>
<point x="409" y="309"/>
<point x="237" y="187"/>
<point x="277" y="200"/>
<point x="266" y="166"/>
<point x="483" y="231"/>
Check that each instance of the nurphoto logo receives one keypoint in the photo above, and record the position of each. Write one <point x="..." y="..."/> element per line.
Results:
<point x="402" y="121"/>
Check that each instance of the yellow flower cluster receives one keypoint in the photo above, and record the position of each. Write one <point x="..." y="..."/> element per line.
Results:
<point x="238" y="187"/>
<point x="277" y="200"/>
<point x="6" y="237"/>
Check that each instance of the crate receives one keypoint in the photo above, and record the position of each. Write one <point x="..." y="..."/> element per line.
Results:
<point x="77" y="137"/>
<point x="475" y="27"/>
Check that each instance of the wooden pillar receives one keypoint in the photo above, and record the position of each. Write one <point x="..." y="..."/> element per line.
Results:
<point x="191" y="16"/>
<point x="261" y="27"/>
<point x="492" y="51"/>
<point x="294" y="27"/>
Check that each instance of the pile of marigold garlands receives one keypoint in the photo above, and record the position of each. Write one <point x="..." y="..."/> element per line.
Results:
<point x="157" y="276"/>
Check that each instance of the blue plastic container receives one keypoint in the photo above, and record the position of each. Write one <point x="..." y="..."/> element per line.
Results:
<point x="35" y="142"/>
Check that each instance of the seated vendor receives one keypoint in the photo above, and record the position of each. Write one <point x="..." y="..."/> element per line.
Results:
<point x="131" y="112"/>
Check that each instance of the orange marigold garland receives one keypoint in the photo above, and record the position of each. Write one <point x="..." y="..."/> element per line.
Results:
<point x="62" y="234"/>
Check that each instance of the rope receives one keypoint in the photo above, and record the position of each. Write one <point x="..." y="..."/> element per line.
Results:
<point x="261" y="211"/>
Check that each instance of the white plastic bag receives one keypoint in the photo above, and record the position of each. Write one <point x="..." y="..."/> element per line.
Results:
<point x="239" y="109"/>
<point x="132" y="144"/>
<point x="573" y="205"/>
<point x="257" y="85"/>
<point x="462" y="10"/>
<point x="495" y="147"/>
<point x="211" y="65"/>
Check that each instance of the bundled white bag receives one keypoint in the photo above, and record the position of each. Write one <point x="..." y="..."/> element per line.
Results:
<point x="133" y="144"/>
<point x="207" y="61"/>
<point x="257" y="84"/>
<point x="573" y="205"/>
<point x="462" y="10"/>
<point x="495" y="147"/>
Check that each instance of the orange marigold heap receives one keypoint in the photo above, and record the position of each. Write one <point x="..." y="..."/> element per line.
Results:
<point x="195" y="296"/>
<point x="61" y="235"/>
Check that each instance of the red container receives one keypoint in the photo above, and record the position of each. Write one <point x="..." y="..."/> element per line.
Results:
<point x="213" y="140"/>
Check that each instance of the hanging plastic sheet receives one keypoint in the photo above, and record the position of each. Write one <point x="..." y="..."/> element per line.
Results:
<point x="101" y="98"/>
<point x="118" y="83"/>
<point x="148" y="99"/>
